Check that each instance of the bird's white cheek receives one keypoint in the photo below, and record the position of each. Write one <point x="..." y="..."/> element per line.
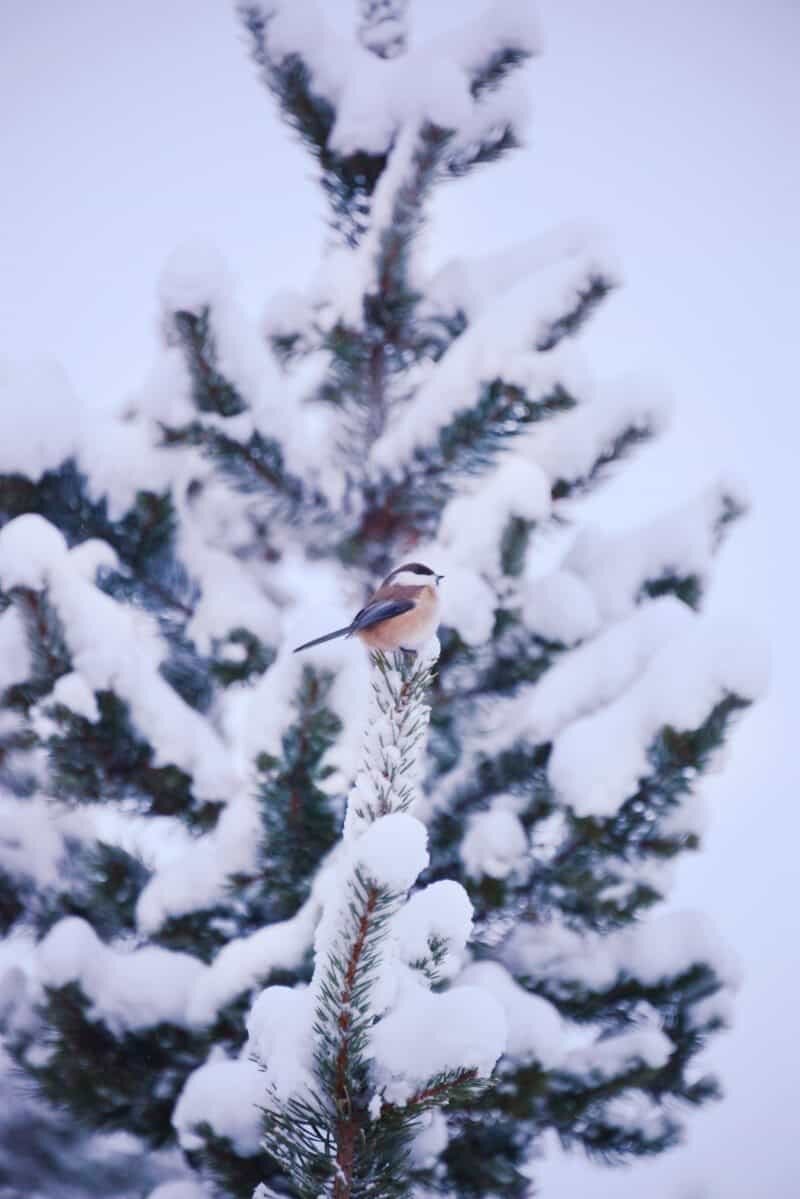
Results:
<point x="409" y="578"/>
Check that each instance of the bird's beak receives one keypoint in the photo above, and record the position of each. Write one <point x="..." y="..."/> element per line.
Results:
<point x="439" y="578"/>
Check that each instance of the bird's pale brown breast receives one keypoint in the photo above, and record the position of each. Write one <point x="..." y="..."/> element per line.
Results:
<point x="409" y="630"/>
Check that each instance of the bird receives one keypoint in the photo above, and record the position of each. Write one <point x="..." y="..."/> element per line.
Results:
<point x="402" y="614"/>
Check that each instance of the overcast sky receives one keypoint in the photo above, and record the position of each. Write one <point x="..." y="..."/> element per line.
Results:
<point x="673" y="126"/>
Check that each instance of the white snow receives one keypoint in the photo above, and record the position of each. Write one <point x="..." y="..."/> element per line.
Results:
<point x="165" y="396"/>
<point x="548" y="835"/>
<point x="198" y="875"/>
<point x="666" y="945"/>
<point x="469" y="284"/>
<point x="194" y="277"/>
<point x="43" y="424"/>
<point x="287" y="312"/>
<point x="502" y="23"/>
<point x="116" y="646"/>
<point x="442" y="912"/>
<point x="715" y="1007"/>
<point x="430" y="1140"/>
<point x="244" y="961"/>
<point x="40" y="418"/>
<point x="228" y="1095"/>
<point x="180" y="1188"/>
<point x="495" y="843"/>
<point x="382" y="96"/>
<point x="560" y="607"/>
<point x="15" y="657"/>
<point x="128" y="989"/>
<point x="598" y="759"/>
<point x="497" y="345"/>
<point x="473" y="523"/>
<point x="358" y="270"/>
<point x="72" y="691"/>
<point x="279" y="1029"/>
<point x="427" y="1033"/>
<point x="681" y="542"/>
<point x="92" y="555"/>
<point x="601" y="669"/>
<point x="230" y="597"/>
<point x="120" y="458"/>
<point x="677" y="938"/>
<point x="31" y="844"/>
<point x="636" y="1110"/>
<point x="374" y="97"/>
<point x="610" y="1056"/>
<point x="393" y="851"/>
<point x="509" y="107"/>
<point x="29" y="546"/>
<point x="256" y="717"/>
<point x="535" y="1029"/>
<point x="156" y="840"/>
<point x="570" y="449"/>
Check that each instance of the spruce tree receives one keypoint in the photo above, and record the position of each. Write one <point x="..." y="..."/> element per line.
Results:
<point x="174" y="778"/>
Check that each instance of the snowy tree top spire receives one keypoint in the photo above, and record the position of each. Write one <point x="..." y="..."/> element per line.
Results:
<point x="371" y="1046"/>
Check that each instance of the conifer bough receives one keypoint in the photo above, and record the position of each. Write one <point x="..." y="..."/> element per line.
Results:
<point x="176" y="895"/>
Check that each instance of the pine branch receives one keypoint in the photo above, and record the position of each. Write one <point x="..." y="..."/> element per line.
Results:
<point x="89" y="1066"/>
<point x="335" y="1135"/>
<point x="398" y="707"/>
<point x="143" y="538"/>
<point x="472" y="440"/>
<point x="211" y="391"/>
<point x="299" y="820"/>
<point x="234" y="1176"/>
<point x="690" y="587"/>
<point x="347" y="1127"/>
<point x="107" y="760"/>
<point x="488" y="149"/>
<point x="581" y="882"/>
<point x="290" y="81"/>
<point x="408" y="507"/>
<point x="382" y="26"/>
<point x="347" y="181"/>
<point x="252" y="657"/>
<point x="50" y="655"/>
<point x="369" y="361"/>
<point x="496" y="68"/>
<point x="254" y="466"/>
<point x="595" y="290"/>
<point x="389" y="309"/>
<point x="623" y="444"/>
<point x="99" y="882"/>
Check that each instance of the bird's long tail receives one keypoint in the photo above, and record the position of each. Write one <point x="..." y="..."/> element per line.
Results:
<point x="328" y="637"/>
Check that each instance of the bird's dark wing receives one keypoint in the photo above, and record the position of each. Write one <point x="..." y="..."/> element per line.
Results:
<point x="378" y="611"/>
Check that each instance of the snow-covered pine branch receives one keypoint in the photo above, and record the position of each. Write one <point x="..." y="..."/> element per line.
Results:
<point x="173" y="778"/>
<point x="382" y="27"/>
<point x="228" y="406"/>
<point x="354" y="1061"/>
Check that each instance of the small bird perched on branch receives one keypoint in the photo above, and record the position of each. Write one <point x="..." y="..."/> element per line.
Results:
<point x="402" y="614"/>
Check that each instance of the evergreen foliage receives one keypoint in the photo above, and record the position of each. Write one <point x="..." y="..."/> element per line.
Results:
<point x="173" y="779"/>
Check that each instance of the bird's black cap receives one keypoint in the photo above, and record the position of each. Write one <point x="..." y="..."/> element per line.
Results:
<point x="416" y="568"/>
